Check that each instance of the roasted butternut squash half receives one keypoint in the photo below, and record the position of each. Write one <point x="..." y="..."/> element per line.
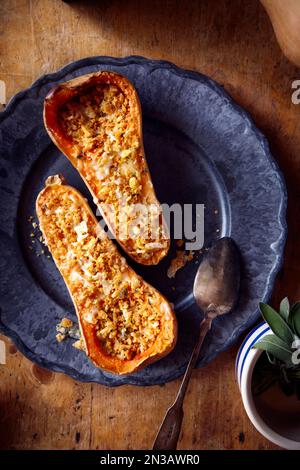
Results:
<point x="95" y="120"/>
<point x="125" y="323"/>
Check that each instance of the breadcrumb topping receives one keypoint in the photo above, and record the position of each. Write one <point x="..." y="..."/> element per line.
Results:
<point x="104" y="132"/>
<point x="125" y="312"/>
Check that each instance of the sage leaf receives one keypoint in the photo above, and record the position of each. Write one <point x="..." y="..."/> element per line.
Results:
<point x="274" y="345"/>
<point x="296" y="324"/>
<point x="294" y="318"/>
<point x="272" y="360"/>
<point x="284" y="308"/>
<point x="277" y="324"/>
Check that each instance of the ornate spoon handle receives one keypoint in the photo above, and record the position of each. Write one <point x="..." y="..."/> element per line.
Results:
<point x="168" y="434"/>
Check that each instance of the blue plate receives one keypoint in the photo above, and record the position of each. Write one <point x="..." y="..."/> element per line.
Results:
<point x="201" y="148"/>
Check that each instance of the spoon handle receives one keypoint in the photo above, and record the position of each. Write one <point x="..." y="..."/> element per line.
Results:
<point x="168" y="434"/>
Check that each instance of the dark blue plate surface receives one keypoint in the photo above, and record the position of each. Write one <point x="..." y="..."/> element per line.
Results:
<point x="201" y="148"/>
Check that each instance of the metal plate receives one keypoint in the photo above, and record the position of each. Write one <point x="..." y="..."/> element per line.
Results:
<point x="201" y="148"/>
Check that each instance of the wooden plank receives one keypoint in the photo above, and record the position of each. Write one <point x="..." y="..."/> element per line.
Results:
<point x="233" y="42"/>
<point x="42" y="410"/>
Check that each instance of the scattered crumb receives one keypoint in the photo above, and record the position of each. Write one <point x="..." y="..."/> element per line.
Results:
<point x="36" y="234"/>
<point x="67" y="329"/>
<point x="178" y="262"/>
<point x="79" y="344"/>
<point x="66" y="323"/>
<point x="217" y="230"/>
<point x="179" y="243"/>
<point x="60" y="337"/>
<point x="216" y="211"/>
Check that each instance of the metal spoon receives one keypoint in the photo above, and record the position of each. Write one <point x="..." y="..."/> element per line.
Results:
<point x="216" y="289"/>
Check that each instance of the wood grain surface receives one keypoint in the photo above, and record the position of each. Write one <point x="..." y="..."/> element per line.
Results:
<point x="232" y="41"/>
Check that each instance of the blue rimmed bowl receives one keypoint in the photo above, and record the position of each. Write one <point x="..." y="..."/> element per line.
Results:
<point x="246" y="361"/>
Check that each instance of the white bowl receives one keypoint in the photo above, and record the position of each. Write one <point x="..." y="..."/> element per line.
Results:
<point x="245" y="363"/>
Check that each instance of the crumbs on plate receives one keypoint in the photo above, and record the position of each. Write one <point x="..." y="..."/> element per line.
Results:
<point x="180" y="260"/>
<point x="66" y="328"/>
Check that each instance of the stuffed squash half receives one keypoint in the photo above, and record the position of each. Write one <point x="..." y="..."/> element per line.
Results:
<point x="95" y="120"/>
<point x="125" y="323"/>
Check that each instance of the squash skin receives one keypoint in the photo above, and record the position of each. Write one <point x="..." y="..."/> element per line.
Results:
<point x="53" y="103"/>
<point x="285" y="19"/>
<point x="167" y="337"/>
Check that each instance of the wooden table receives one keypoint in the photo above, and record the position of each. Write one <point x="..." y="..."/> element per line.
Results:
<point x="232" y="41"/>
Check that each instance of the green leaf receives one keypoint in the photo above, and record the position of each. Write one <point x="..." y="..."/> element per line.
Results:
<point x="296" y="324"/>
<point x="284" y="309"/>
<point x="274" y="345"/>
<point x="272" y="360"/>
<point x="294" y="318"/>
<point x="277" y="324"/>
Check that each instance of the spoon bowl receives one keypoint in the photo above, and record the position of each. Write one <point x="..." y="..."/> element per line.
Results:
<point x="217" y="282"/>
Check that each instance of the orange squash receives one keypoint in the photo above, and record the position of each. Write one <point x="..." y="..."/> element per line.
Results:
<point x="125" y="323"/>
<point x="285" y="18"/>
<point x="95" y="120"/>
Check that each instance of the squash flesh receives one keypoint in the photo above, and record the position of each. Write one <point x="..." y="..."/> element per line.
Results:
<point x="125" y="322"/>
<point x="97" y="124"/>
